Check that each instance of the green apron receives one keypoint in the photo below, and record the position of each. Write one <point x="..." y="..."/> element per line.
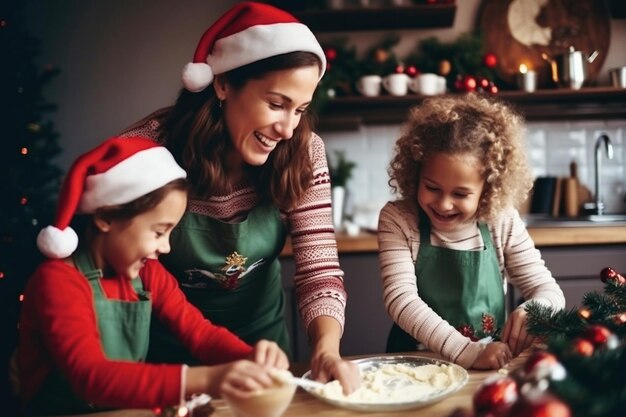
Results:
<point x="463" y="287"/>
<point x="231" y="273"/>
<point x="124" y="331"/>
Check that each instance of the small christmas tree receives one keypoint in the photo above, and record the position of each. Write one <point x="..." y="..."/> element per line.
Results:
<point x="29" y="179"/>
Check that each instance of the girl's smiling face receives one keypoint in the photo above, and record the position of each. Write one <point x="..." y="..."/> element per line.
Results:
<point x="126" y="245"/>
<point x="449" y="189"/>
<point x="265" y="111"/>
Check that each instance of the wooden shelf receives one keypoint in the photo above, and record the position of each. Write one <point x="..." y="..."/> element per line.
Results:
<point x="347" y="113"/>
<point x="378" y="18"/>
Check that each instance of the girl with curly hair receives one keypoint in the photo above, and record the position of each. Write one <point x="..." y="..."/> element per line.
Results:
<point x="450" y="243"/>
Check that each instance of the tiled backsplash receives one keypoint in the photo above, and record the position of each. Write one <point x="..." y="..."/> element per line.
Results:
<point x="551" y="146"/>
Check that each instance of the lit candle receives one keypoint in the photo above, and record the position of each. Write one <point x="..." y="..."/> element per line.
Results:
<point x="526" y="79"/>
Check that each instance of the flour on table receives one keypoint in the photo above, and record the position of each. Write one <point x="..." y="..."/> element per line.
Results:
<point x="396" y="383"/>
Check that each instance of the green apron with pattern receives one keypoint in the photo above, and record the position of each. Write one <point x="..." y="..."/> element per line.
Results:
<point x="124" y="328"/>
<point x="231" y="273"/>
<point x="463" y="287"/>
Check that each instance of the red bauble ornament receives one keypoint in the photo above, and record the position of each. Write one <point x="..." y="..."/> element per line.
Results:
<point x="411" y="71"/>
<point x="493" y="89"/>
<point x="583" y="347"/>
<point x="495" y="396"/>
<point x="469" y="83"/>
<point x="609" y="274"/>
<point x="543" y="406"/>
<point x="331" y="54"/>
<point x="484" y="82"/>
<point x="542" y="364"/>
<point x="598" y="335"/>
<point x="490" y="60"/>
<point x="399" y="69"/>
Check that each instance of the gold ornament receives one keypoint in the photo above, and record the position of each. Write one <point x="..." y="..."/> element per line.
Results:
<point x="445" y="67"/>
<point x="381" y="56"/>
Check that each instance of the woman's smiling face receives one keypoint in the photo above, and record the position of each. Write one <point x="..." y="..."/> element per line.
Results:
<point x="449" y="189"/>
<point x="265" y="111"/>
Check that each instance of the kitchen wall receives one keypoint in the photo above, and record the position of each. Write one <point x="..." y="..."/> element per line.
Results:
<point x="121" y="60"/>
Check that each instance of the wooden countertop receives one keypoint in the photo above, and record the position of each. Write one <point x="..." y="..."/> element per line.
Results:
<point x="305" y="405"/>
<point x="366" y="242"/>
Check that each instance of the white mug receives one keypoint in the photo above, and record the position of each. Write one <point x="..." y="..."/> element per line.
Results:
<point x="369" y="85"/>
<point x="396" y="84"/>
<point x="428" y="84"/>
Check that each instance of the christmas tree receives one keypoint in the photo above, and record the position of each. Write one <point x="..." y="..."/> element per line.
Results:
<point x="29" y="178"/>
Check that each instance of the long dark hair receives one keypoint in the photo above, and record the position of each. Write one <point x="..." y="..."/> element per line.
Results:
<point x="194" y="131"/>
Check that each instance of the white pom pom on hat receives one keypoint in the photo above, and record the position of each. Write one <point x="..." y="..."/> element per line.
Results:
<point x="247" y="33"/>
<point x="117" y="171"/>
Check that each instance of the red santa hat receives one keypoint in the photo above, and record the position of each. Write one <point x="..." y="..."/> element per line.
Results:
<point x="246" y="33"/>
<point x="118" y="171"/>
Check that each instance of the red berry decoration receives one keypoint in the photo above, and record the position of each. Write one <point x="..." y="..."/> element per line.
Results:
<point x="542" y="364"/>
<point x="469" y="83"/>
<point x="411" y="71"/>
<point x="495" y="396"/>
<point x="583" y="347"/>
<point x="598" y="335"/>
<point x="467" y="331"/>
<point x="609" y="274"/>
<point x="490" y="60"/>
<point x="331" y="54"/>
<point x="542" y="406"/>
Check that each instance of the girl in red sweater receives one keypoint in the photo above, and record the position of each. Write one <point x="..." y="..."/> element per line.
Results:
<point x="84" y="328"/>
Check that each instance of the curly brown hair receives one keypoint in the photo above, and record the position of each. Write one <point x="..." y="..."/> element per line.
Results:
<point x="194" y="131"/>
<point x="471" y="123"/>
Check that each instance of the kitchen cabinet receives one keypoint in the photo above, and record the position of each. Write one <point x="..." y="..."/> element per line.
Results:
<point x="577" y="269"/>
<point x="378" y="18"/>
<point x="347" y="113"/>
<point x="367" y="322"/>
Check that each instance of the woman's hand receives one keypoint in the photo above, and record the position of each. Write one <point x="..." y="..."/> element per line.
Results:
<point x="269" y="355"/>
<point x="495" y="356"/>
<point x="326" y="366"/>
<point x="240" y="379"/>
<point x="326" y="363"/>
<point x="515" y="333"/>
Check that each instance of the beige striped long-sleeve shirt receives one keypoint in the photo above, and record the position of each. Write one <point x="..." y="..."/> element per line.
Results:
<point x="398" y="245"/>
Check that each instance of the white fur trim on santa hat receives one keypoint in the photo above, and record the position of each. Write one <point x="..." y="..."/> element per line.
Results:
<point x="56" y="243"/>
<point x="250" y="45"/>
<point x="137" y="175"/>
<point x="197" y="76"/>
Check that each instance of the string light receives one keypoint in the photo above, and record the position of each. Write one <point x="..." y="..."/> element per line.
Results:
<point x="24" y="151"/>
<point x="23" y="201"/>
<point x="1" y="274"/>
<point x="21" y="297"/>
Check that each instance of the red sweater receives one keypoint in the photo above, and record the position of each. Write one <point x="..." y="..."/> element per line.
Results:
<point x="58" y="329"/>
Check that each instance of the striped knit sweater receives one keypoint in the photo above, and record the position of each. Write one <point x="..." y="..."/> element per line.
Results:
<point x="318" y="279"/>
<point x="398" y="245"/>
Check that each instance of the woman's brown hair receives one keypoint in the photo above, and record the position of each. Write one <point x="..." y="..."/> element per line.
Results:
<point x="194" y="131"/>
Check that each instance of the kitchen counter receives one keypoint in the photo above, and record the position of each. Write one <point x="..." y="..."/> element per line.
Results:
<point x="304" y="404"/>
<point x="366" y="242"/>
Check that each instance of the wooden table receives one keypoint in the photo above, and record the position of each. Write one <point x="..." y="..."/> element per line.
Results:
<point x="305" y="405"/>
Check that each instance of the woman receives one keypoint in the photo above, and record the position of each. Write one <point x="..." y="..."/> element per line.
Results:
<point x="241" y="130"/>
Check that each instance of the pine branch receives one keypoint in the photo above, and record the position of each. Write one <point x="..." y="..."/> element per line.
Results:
<point x="544" y="321"/>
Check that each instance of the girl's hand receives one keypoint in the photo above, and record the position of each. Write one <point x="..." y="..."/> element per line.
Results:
<point x="269" y="355"/>
<point x="515" y="333"/>
<point x="242" y="378"/>
<point x="326" y="366"/>
<point x="495" y="356"/>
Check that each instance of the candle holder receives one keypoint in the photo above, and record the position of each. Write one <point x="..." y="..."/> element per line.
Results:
<point x="527" y="80"/>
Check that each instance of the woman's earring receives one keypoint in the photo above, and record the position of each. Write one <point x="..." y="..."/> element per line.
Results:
<point x="221" y="101"/>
